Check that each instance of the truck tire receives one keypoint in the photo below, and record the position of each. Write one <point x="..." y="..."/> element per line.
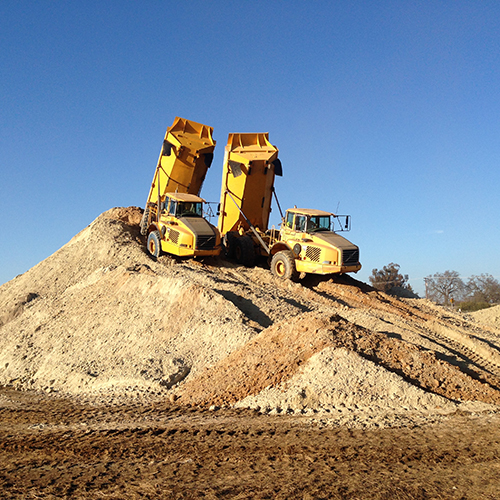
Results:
<point x="244" y="251"/>
<point x="283" y="265"/>
<point x="229" y="244"/>
<point x="144" y="222"/>
<point x="154" y="243"/>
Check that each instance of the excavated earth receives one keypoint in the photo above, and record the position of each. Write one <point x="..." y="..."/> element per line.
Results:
<point x="128" y="377"/>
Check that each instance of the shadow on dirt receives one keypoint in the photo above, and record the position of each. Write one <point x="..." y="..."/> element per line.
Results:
<point x="247" y="307"/>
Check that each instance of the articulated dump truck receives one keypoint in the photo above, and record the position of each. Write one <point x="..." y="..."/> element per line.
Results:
<point x="306" y="241"/>
<point x="173" y="218"/>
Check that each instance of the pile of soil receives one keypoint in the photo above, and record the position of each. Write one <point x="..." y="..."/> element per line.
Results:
<point x="101" y="320"/>
<point x="490" y="316"/>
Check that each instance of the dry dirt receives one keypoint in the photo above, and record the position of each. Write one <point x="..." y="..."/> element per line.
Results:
<point x="490" y="316"/>
<point x="56" y="448"/>
<point x="126" y="377"/>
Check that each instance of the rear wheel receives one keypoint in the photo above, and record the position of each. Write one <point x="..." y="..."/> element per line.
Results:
<point x="154" y="243"/>
<point x="229" y="244"/>
<point x="283" y="265"/>
<point x="244" y="251"/>
<point x="144" y="222"/>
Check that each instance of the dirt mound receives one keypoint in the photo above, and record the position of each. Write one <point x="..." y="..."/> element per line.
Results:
<point x="281" y="351"/>
<point x="490" y="316"/>
<point x="99" y="318"/>
<point x="101" y="315"/>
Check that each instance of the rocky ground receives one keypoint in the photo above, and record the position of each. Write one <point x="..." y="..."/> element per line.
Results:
<point x="125" y="377"/>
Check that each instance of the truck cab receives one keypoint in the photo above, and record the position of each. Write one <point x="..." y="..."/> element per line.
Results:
<point x="181" y="228"/>
<point x="307" y="243"/>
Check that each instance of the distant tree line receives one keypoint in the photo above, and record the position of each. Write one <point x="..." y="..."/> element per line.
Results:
<point x="475" y="293"/>
<point x="443" y="288"/>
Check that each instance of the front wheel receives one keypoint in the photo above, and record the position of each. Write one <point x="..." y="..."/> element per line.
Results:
<point x="283" y="265"/>
<point x="154" y="243"/>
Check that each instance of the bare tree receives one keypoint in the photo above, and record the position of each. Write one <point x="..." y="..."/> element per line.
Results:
<point x="441" y="287"/>
<point x="389" y="277"/>
<point x="484" y="288"/>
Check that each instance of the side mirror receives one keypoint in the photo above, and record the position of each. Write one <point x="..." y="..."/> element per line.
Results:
<point x="167" y="148"/>
<point x="209" y="157"/>
<point x="278" y="168"/>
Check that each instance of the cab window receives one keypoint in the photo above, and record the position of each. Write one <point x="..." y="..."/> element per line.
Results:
<point x="318" y="223"/>
<point x="300" y="223"/>
<point x="188" y="208"/>
<point x="172" y="207"/>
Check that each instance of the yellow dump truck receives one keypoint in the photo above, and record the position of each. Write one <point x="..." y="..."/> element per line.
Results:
<point x="173" y="218"/>
<point x="306" y="241"/>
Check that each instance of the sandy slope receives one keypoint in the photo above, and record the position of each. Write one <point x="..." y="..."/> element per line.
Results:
<point x="101" y="319"/>
<point x="490" y="316"/>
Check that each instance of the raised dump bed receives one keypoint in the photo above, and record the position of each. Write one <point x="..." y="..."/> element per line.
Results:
<point x="250" y="165"/>
<point x="185" y="157"/>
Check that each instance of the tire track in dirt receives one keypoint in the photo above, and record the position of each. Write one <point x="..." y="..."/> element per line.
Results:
<point x="237" y="454"/>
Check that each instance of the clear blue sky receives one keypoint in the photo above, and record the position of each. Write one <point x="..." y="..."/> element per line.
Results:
<point x="388" y="111"/>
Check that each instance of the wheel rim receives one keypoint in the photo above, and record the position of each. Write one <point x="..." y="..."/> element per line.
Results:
<point x="152" y="247"/>
<point x="280" y="268"/>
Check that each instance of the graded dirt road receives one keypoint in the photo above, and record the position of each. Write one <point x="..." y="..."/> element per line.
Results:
<point x="58" y="448"/>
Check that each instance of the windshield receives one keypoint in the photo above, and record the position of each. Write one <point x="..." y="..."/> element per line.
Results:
<point x="189" y="209"/>
<point x="318" y="223"/>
